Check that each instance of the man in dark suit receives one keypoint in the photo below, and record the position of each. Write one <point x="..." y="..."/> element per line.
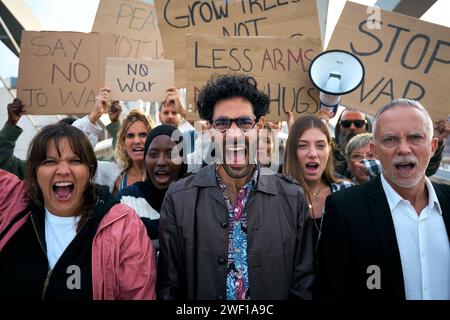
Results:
<point x="389" y="238"/>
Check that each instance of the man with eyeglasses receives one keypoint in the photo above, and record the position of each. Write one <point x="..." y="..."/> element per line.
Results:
<point x="352" y="122"/>
<point x="349" y="124"/>
<point x="229" y="232"/>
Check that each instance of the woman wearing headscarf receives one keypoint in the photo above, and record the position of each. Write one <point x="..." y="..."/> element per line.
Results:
<point x="164" y="163"/>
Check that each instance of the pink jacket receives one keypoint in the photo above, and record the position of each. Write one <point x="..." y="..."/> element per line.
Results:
<point x="123" y="258"/>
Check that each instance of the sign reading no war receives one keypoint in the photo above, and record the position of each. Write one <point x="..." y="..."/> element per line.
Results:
<point x="135" y="25"/>
<point x="133" y="79"/>
<point x="61" y="72"/>
<point x="176" y="18"/>
<point x="402" y="56"/>
<point x="279" y="65"/>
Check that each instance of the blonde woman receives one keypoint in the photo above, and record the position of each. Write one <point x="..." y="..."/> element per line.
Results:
<point x="130" y="148"/>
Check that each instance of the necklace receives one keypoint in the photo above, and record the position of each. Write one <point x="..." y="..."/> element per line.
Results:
<point x="315" y="194"/>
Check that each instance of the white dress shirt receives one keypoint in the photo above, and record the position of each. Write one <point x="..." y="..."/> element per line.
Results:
<point x="423" y="244"/>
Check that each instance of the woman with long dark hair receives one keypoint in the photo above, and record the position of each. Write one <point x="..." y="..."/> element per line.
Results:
<point x="61" y="236"/>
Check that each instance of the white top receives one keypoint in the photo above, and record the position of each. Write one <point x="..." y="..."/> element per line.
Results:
<point x="59" y="232"/>
<point x="423" y="244"/>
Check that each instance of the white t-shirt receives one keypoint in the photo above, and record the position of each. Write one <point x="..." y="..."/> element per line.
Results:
<point x="59" y="232"/>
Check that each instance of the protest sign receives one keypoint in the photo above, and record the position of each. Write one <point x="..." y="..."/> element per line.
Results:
<point x="135" y="25"/>
<point x="402" y="57"/>
<point x="288" y="18"/>
<point x="279" y="65"/>
<point x="61" y="72"/>
<point x="133" y="79"/>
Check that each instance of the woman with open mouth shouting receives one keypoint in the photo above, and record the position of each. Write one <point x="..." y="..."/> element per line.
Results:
<point x="61" y="236"/>
<point x="130" y="148"/>
<point x="146" y="197"/>
<point x="308" y="159"/>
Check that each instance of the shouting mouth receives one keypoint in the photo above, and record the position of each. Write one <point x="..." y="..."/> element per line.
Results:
<point x="63" y="190"/>
<point x="162" y="176"/>
<point x="236" y="155"/>
<point x="312" y="167"/>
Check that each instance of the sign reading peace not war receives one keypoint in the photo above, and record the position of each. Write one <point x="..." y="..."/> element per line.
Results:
<point x="279" y="65"/>
<point x="404" y="57"/>
<point x="134" y="79"/>
<point x="61" y="72"/>
<point x="176" y="18"/>
<point x="135" y="25"/>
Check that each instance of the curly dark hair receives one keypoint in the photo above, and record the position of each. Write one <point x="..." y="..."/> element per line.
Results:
<point x="226" y="86"/>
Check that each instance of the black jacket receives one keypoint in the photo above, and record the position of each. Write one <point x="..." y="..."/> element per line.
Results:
<point x="358" y="232"/>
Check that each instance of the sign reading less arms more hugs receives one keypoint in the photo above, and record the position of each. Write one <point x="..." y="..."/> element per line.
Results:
<point x="61" y="72"/>
<point x="176" y="18"/>
<point x="402" y="56"/>
<point x="135" y="25"/>
<point x="134" y="79"/>
<point x="279" y="65"/>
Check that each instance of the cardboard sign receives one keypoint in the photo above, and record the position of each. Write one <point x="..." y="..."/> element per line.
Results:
<point x="176" y="18"/>
<point x="279" y="65"/>
<point x="402" y="56"/>
<point x="135" y="25"/>
<point x="134" y="79"/>
<point x="61" y="72"/>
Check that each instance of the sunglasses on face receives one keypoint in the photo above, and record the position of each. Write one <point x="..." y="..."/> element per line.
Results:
<point x="347" y="123"/>
<point x="224" y="123"/>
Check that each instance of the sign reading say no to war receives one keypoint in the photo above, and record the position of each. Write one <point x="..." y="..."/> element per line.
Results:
<point x="135" y="25"/>
<point x="61" y="72"/>
<point x="134" y="79"/>
<point x="279" y="65"/>
<point x="402" y="56"/>
<point x="176" y="18"/>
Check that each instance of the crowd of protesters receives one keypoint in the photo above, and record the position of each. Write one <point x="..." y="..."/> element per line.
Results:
<point x="220" y="213"/>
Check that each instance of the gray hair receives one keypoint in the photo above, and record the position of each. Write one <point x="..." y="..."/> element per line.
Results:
<point x="358" y="141"/>
<point x="406" y="103"/>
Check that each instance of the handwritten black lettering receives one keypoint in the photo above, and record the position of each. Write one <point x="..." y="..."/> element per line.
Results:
<point x="65" y="97"/>
<point x="418" y="96"/>
<point x="207" y="11"/>
<point x="79" y="71"/>
<point x="434" y="55"/>
<point x="40" y="97"/>
<point x="424" y="51"/>
<point x="370" y="34"/>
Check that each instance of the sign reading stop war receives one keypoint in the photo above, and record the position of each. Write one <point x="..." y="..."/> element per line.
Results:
<point x="402" y="56"/>
<point x="61" y="72"/>
<point x="135" y="25"/>
<point x="279" y="65"/>
<point x="133" y="79"/>
<point x="176" y="18"/>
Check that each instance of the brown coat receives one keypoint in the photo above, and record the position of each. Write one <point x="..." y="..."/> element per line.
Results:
<point x="194" y="240"/>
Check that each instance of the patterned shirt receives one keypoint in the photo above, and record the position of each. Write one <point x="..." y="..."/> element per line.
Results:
<point x="237" y="264"/>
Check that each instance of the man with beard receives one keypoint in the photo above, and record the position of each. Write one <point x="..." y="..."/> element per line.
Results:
<point x="229" y="232"/>
<point x="389" y="238"/>
<point x="349" y="124"/>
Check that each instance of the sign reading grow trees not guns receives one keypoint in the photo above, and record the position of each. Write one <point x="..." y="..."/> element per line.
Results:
<point x="61" y="72"/>
<point x="279" y="65"/>
<point x="176" y="18"/>
<point x="134" y="79"/>
<point x="135" y="25"/>
<point x="402" y="56"/>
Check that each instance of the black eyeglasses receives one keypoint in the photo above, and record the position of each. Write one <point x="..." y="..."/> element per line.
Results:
<point x="224" y="123"/>
<point x="358" y="123"/>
